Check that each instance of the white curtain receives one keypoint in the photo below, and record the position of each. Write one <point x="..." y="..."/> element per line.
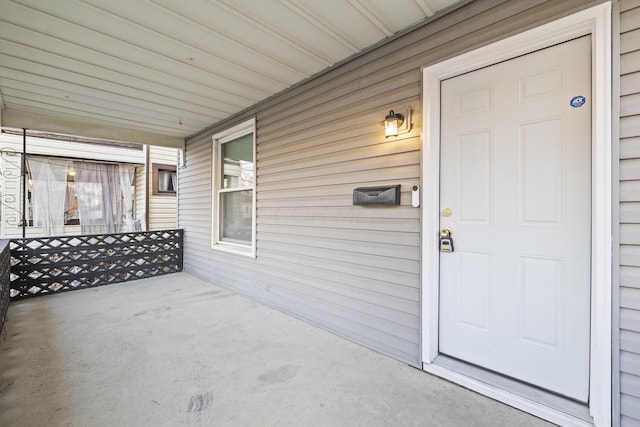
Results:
<point x="127" y="174"/>
<point x="49" y="187"/>
<point x="174" y="181"/>
<point x="164" y="178"/>
<point x="99" y="197"/>
<point x="140" y="224"/>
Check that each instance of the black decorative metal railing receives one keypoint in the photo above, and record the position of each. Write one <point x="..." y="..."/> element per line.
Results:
<point x="10" y="166"/>
<point x="5" y="280"/>
<point x="48" y="265"/>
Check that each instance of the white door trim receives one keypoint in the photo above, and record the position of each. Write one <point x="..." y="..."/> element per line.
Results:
<point x="597" y="22"/>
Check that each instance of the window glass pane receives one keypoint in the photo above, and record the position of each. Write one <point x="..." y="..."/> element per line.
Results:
<point x="165" y="181"/>
<point x="237" y="162"/>
<point x="237" y="210"/>
<point x="71" y="212"/>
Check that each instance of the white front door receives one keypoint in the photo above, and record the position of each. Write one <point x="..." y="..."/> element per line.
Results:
<point x="515" y="189"/>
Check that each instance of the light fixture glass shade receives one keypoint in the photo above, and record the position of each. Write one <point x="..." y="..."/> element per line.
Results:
<point x="392" y="123"/>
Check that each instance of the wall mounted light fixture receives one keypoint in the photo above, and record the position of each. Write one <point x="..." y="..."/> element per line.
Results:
<point x="396" y="123"/>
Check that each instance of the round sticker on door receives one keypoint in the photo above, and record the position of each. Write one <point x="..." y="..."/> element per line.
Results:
<point x="578" y="101"/>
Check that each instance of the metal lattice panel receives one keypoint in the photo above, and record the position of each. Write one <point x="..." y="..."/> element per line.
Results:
<point x="46" y="265"/>
<point x="5" y="278"/>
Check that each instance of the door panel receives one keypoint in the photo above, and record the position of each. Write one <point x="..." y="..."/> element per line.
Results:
<point x="474" y="182"/>
<point x="474" y="290"/>
<point x="516" y="174"/>
<point x="540" y="152"/>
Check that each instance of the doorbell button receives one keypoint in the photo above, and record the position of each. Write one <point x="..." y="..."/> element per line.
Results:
<point x="415" y="196"/>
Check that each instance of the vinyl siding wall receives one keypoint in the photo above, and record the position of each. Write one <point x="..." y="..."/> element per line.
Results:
<point x="351" y="269"/>
<point x="630" y="212"/>
<point x="162" y="208"/>
<point x="140" y="206"/>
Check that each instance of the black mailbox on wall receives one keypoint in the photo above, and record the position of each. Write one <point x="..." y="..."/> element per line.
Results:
<point x="377" y="196"/>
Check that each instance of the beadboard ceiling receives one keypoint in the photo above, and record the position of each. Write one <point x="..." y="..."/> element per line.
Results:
<point x="161" y="70"/>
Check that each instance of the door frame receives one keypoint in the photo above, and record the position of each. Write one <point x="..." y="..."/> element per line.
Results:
<point x="597" y="22"/>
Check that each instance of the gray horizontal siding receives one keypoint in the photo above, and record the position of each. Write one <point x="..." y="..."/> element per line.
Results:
<point x="353" y="270"/>
<point x="630" y="212"/>
<point x="162" y="208"/>
<point x="194" y="207"/>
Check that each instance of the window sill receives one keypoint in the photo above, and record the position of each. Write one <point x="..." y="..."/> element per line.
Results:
<point x="247" y="251"/>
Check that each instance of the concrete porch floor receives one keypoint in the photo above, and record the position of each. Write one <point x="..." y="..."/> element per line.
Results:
<point x="176" y="351"/>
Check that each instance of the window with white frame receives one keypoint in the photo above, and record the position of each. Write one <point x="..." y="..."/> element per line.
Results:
<point x="234" y="210"/>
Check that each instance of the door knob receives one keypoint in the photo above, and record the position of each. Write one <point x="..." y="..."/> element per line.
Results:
<point x="446" y="242"/>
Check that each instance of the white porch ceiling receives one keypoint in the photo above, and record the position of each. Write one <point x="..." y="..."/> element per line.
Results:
<point x="157" y="71"/>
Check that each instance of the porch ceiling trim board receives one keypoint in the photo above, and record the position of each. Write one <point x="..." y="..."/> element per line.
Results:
<point x="33" y="120"/>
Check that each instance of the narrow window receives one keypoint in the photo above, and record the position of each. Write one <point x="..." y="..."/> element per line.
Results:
<point x="234" y="189"/>
<point x="164" y="179"/>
